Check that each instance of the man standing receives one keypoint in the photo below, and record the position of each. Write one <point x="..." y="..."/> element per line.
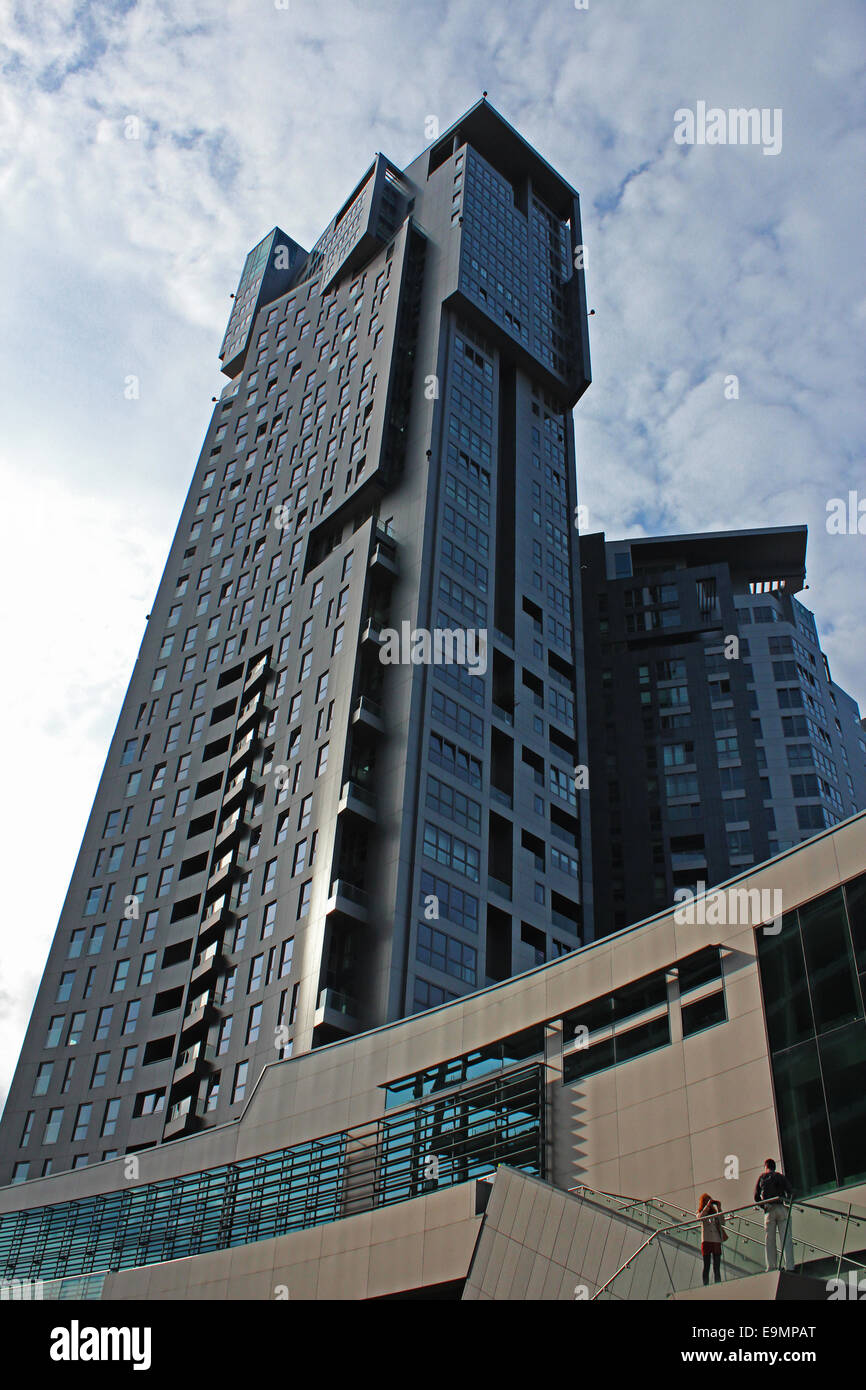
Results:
<point x="772" y="1192"/>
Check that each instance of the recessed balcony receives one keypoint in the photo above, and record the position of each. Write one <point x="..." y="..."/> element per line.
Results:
<point x="255" y="677"/>
<point x="337" y="1012"/>
<point x="183" y="1118"/>
<point x="229" y="830"/>
<point x="358" y="800"/>
<point x="221" y="871"/>
<point x="195" y="1061"/>
<point x="243" y="750"/>
<point x="203" y="1013"/>
<point x="249" y="713"/>
<point x="348" y="900"/>
<point x="208" y="966"/>
<point x="236" y="787"/>
<point x="369" y="713"/>
<point x="383" y="559"/>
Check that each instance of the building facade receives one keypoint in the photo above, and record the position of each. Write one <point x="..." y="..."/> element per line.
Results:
<point x="308" y="824"/>
<point x="717" y="737"/>
<point x="601" y="1094"/>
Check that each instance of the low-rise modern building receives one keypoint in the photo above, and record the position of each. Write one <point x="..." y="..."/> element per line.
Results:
<point x="717" y="736"/>
<point x="546" y="1137"/>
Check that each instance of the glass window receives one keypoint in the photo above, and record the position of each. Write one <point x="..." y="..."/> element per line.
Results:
<point x="103" y="1022"/>
<point x="829" y="961"/>
<point x="82" y="1120"/>
<point x="43" y="1078"/>
<point x="855" y="895"/>
<point x="52" y="1126"/>
<point x="585" y="1061"/>
<point x="698" y="969"/>
<point x="803" y="1126"/>
<point x="109" y="1121"/>
<point x="76" y="1029"/>
<point x="843" y="1066"/>
<point x="703" y="1013"/>
<point x="240" y="1083"/>
<point x="64" y="989"/>
<point x="784" y="984"/>
<point x="100" y="1070"/>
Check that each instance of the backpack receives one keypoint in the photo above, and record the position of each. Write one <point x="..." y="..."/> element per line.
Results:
<point x="774" y="1186"/>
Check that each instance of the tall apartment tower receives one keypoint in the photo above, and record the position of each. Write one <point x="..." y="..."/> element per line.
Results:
<point x="341" y="786"/>
<point x="717" y="737"/>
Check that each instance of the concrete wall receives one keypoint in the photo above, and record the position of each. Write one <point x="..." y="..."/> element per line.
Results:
<point x="662" y="1124"/>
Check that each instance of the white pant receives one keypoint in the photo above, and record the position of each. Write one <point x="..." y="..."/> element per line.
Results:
<point x="776" y="1219"/>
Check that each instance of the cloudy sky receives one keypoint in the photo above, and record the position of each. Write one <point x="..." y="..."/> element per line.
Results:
<point x="119" y="255"/>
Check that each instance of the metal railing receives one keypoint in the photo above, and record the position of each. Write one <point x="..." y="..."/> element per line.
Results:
<point x="668" y="1258"/>
<point x="435" y="1143"/>
<point x="653" y="1210"/>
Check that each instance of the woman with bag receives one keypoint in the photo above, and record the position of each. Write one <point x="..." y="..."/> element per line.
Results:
<point x="712" y="1234"/>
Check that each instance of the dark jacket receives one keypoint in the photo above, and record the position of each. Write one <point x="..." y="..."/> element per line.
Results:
<point x="771" y="1188"/>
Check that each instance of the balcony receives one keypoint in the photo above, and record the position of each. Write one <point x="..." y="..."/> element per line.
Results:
<point x="236" y="787"/>
<point x="689" y="859"/>
<point x="372" y="631"/>
<point x="368" y="713"/>
<point x="183" y="1118"/>
<point x="243" y="750"/>
<point x="249" y="712"/>
<point x="337" y="1012"/>
<point x="221" y="871"/>
<point x="383" y="559"/>
<point x="358" y="800"/>
<point x="228" y="830"/>
<point x="218" y="914"/>
<point x="203" y="1012"/>
<point x="349" y="900"/>
<point x="503" y="714"/>
<point x="503" y="798"/>
<point x="498" y="886"/>
<point x="208" y="966"/>
<point x="255" y="677"/>
<point x="193" y="1062"/>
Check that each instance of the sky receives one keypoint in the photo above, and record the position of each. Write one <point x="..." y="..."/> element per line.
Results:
<point x="146" y="146"/>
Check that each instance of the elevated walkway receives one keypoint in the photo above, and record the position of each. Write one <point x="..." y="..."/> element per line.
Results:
<point x="539" y="1242"/>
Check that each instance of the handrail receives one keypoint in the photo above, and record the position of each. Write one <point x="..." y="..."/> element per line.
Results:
<point x="660" y="1204"/>
<point x="699" y="1221"/>
<point x="852" y="1213"/>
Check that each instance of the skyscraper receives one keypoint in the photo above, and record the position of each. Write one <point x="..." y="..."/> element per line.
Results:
<point x="717" y="736"/>
<point x="341" y="785"/>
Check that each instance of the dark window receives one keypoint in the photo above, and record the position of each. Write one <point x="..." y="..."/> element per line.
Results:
<point x="786" y="991"/>
<point x="699" y="968"/>
<point x="704" y="1013"/>
<point x="829" y="962"/>
<point x="843" y="1066"/>
<point x="646" y="1038"/>
<point x="806" y="1148"/>
<point x="585" y="1061"/>
<point x="646" y="993"/>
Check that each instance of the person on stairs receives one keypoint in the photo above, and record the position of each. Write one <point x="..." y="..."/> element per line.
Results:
<point x="712" y="1234"/>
